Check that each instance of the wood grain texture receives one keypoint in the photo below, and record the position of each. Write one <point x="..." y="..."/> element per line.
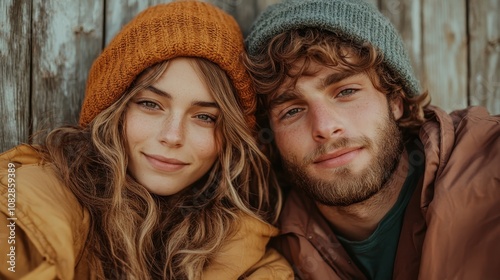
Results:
<point x="15" y="57"/>
<point x="245" y="12"/>
<point x="406" y="17"/>
<point x="484" y="58"/>
<point x="119" y="13"/>
<point x="67" y="37"/>
<point x="444" y="53"/>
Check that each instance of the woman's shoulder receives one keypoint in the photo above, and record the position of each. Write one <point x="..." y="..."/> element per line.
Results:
<point x="246" y="253"/>
<point x="248" y="224"/>
<point x="47" y="215"/>
<point x="23" y="169"/>
<point x="22" y="154"/>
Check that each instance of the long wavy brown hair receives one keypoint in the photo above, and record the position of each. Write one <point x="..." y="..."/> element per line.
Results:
<point x="277" y="62"/>
<point x="138" y="235"/>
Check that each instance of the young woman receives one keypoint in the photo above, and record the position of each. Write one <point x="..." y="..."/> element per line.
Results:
<point x="163" y="178"/>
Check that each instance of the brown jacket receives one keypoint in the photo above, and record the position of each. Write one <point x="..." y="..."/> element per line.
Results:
<point x="451" y="228"/>
<point x="48" y="229"/>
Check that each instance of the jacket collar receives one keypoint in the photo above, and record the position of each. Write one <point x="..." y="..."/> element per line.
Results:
<point x="437" y="136"/>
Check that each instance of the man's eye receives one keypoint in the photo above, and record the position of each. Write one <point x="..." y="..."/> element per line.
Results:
<point x="347" y="92"/>
<point x="292" y="112"/>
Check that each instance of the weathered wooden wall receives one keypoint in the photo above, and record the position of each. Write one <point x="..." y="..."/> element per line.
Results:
<point x="15" y="72"/>
<point x="47" y="48"/>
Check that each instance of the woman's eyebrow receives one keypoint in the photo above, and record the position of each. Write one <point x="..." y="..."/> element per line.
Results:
<point x="159" y="92"/>
<point x="194" y="103"/>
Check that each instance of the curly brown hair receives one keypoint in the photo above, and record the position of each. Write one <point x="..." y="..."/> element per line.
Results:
<point x="276" y="64"/>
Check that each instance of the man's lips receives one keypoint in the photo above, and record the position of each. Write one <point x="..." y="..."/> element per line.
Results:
<point x="164" y="163"/>
<point x="338" y="157"/>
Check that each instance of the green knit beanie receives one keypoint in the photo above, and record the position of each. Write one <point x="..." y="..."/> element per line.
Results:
<point x="357" y="20"/>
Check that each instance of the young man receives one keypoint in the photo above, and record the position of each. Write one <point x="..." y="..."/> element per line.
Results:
<point x="382" y="184"/>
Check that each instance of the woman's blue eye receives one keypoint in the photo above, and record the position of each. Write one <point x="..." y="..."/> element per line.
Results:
<point x="149" y="105"/>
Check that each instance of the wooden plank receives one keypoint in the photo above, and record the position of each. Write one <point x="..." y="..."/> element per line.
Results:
<point x="67" y="36"/>
<point x="261" y="5"/>
<point x="405" y="15"/>
<point x="244" y="12"/>
<point x="119" y="13"/>
<point x="484" y="58"/>
<point x="15" y="57"/>
<point x="444" y="53"/>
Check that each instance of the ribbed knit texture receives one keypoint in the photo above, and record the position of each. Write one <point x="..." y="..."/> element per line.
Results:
<point x="355" y="19"/>
<point x="162" y="32"/>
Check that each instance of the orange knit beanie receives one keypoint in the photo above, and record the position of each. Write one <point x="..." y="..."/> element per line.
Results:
<point x="162" y="32"/>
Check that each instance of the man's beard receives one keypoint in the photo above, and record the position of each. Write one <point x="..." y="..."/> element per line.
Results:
<point x="346" y="188"/>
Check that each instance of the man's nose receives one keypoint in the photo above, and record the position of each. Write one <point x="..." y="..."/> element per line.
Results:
<point x="326" y="123"/>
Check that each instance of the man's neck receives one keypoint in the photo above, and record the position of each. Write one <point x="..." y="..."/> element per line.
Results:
<point x="358" y="221"/>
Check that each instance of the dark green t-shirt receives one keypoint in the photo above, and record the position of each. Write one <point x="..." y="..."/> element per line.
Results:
<point x="375" y="255"/>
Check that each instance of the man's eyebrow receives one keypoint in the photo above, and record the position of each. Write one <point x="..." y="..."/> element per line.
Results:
<point x="283" y="98"/>
<point x="165" y="94"/>
<point x="335" y="78"/>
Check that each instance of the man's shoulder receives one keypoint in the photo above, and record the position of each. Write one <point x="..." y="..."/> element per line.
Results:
<point x="476" y="135"/>
<point x="462" y="155"/>
<point x="476" y="119"/>
<point x="473" y="118"/>
<point x="460" y="136"/>
<point x="296" y="212"/>
<point x="462" y="194"/>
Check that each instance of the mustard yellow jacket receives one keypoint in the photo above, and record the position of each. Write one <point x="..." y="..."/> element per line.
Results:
<point x="43" y="230"/>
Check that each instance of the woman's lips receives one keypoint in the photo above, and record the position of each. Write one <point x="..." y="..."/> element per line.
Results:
<point x="165" y="164"/>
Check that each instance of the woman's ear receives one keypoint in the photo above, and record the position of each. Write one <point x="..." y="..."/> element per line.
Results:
<point x="396" y="106"/>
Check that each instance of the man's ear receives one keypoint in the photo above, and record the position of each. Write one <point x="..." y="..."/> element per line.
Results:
<point x="397" y="106"/>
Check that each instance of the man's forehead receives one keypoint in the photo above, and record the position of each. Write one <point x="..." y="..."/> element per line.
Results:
<point x="298" y="70"/>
